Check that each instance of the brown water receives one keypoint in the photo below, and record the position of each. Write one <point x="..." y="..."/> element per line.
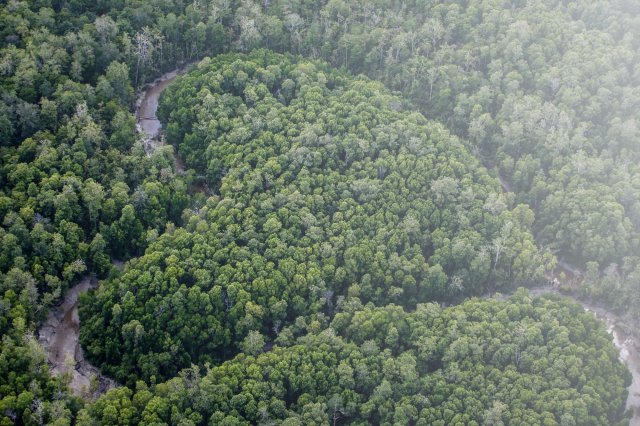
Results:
<point x="151" y="128"/>
<point x="60" y="337"/>
<point x="147" y="105"/>
<point x="60" y="333"/>
<point x="628" y="346"/>
<point x="620" y="328"/>
<point x="148" y="123"/>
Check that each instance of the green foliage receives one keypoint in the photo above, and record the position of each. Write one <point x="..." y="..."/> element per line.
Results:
<point x="72" y="173"/>
<point x="325" y="191"/>
<point x="523" y="361"/>
<point x="331" y="194"/>
<point x="522" y="82"/>
<point x="28" y="394"/>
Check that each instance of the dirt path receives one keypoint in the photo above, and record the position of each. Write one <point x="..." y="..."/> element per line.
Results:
<point x="60" y="337"/>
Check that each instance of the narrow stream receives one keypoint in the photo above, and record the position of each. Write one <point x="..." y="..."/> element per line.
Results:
<point x="60" y="333"/>
<point x="147" y="105"/>
<point x="149" y="125"/>
<point x="628" y="346"/>
<point x="621" y="329"/>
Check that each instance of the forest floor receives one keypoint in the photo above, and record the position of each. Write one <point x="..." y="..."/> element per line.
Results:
<point x="504" y="183"/>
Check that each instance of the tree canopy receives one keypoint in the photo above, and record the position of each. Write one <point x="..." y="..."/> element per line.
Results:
<point x="525" y="361"/>
<point x="344" y="209"/>
<point x="326" y="193"/>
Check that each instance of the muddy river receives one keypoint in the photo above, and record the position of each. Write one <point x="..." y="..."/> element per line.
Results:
<point x="60" y="333"/>
<point x="147" y="105"/>
<point x="629" y="350"/>
<point x="147" y="121"/>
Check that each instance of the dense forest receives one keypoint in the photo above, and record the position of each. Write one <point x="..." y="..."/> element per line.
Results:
<point x="319" y="203"/>
<point x="366" y="164"/>
<point x="482" y="362"/>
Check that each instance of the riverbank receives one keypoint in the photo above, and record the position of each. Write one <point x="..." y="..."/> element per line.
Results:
<point x="622" y="337"/>
<point x="147" y="104"/>
<point x="60" y="333"/>
<point x="623" y="328"/>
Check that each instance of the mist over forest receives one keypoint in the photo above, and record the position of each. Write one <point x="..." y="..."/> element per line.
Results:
<point x="343" y="212"/>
